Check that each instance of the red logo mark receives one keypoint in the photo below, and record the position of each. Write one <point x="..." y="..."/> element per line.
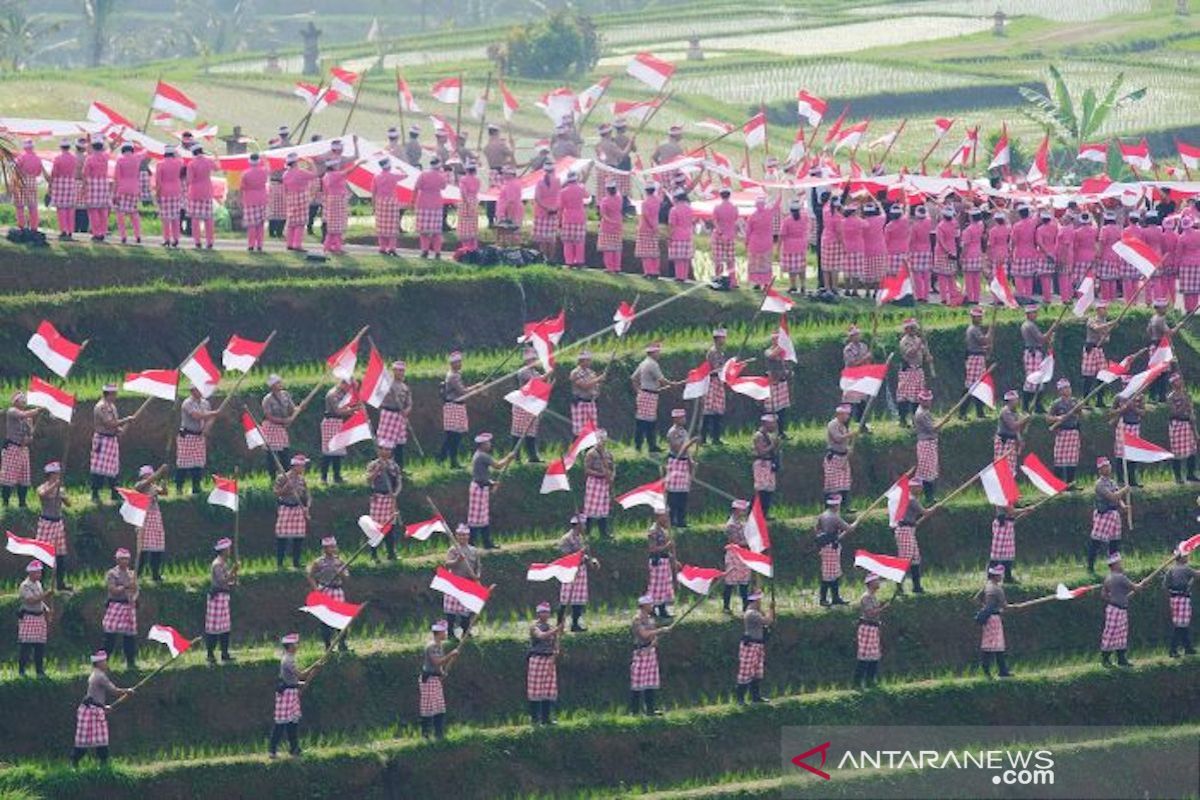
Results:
<point x="823" y="749"/>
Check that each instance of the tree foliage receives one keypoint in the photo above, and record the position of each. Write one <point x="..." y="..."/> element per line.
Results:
<point x="1070" y="125"/>
<point x="23" y="36"/>
<point x="562" y="45"/>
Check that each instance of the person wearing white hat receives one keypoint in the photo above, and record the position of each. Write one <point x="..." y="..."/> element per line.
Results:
<point x="836" y="463"/>
<point x="737" y="574"/>
<point x="979" y="343"/>
<point x="435" y="663"/>
<point x="454" y="391"/>
<point x="223" y="576"/>
<point x="870" y="650"/>
<point x="297" y="190"/>
<point x="575" y="593"/>
<point x="386" y="206"/>
<point x="152" y="535"/>
<point x="463" y="560"/>
<point x="999" y="242"/>
<point x="63" y="189"/>
<point x="793" y="248"/>
<point x="31" y="620"/>
<point x="920" y="252"/>
<point x="851" y="231"/>
<point x="760" y="242"/>
<point x="279" y="412"/>
<point x="1181" y="431"/>
<point x="573" y="221"/>
<point x="1099" y="327"/>
<point x="468" y="206"/>
<point x="276" y="202"/>
<point x="293" y="504"/>
<point x="991" y="644"/>
<point x="1108" y="263"/>
<point x="1187" y="259"/>
<point x="713" y="405"/>
<point x="765" y="445"/>
<point x="120" y="613"/>
<point x="723" y="241"/>
<point x="1109" y="502"/>
<point x="327" y="574"/>
<point x="499" y="155"/>
<point x="1084" y="247"/>
<point x="1025" y="256"/>
<point x="254" y="202"/>
<point x="679" y="467"/>
<point x="200" y="197"/>
<point x="647" y="246"/>
<point x="168" y="195"/>
<point x="928" y="457"/>
<point x="96" y="190"/>
<point x="1177" y="581"/>
<point x="24" y="186"/>
<point x="945" y="255"/>
<point x="681" y="247"/>
<point x="385" y="480"/>
<point x="428" y="207"/>
<point x="19" y="420"/>
<point x="341" y="401"/>
<point x="661" y="565"/>
<point x="546" y="206"/>
<point x="541" y="666"/>
<point x="875" y="252"/>
<point x="91" y="717"/>
<point x="479" y="494"/>
<point x="1064" y="415"/>
<point x="914" y="355"/>
<point x="107" y="426"/>
<point x="609" y="241"/>
<point x="50" y="526"/>
<point x="1128" y="415"/>
<point x="830" y="529"/>
<point x="647" y="380"/>
<point x="905" y="535"/>
<point x="1116" y="591"/>
<point x="644" y="681"/>
<point x="394" y="413"/>
<point x="287" y="698"/>
<point x="586" y="384"/>
<point x="669" y="150"/>
<point x="413" y="149"/>
<point x="1003" y="550"/>
<point x="855" y="353"/>
<point x="335" y="198"/>
<point x="752" y="649"/>
<point x="1010" y="427"/>
<point x="779" y="376"/>
<point x="1064" y="256"/>
<point x="523" y="426"/>
<point x="191" y="443"/>
<point x="127" y="192"/>
<point x="600" y="469"/>
<point x="510" y="210"/>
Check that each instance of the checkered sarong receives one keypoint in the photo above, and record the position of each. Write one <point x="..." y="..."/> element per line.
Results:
<point x="1124" y="429"/>
<point x="643" y="669"/>
<point x="275" y="436"/>
<point x="1092" y="361"/>
<point x="216" y="613"/>
<point x="91" y="726"/>
<point x="95" y="193"/>
<point x="1031" y="361"/>
<point x="541" y="678"/>
<point x="758" y="265"/>
<point x="523" y="423"/>
<point x="329" y="428"/>
<point x="572" y="231"/>
<point x="722" y="249"/>
<point x="680" y="249"/>
<point x="1066" y="448"/>
<point x="154" y="537"/>
<point x="479" y="498"/>
<point x="752" y="658"/>
<point x="991" y="639"/>
<point x="1189" y="277"/>
<point x="191" y="450"/>
<point x="1109" y="269"/>
<point x="1046" y="266"/>
<point x="836" y="467"/>
<point x="545" y="228"/>
<point x="468" y="220"/>
<point x="1115" y="635"/>
<point x="381" y="508"/>
<point x="714" y="398"/>
<point x="679" y="475"/>
<point x="106" y="456"/>
<point x="910" y="384"/>
<point x="287" y="706"/>
<point x="597" y="497"/>
<point x="831" y="562"/>
<point x="392" y="430"/>
<point x="927" y="460"/>
<point x="125" y="203"/>
<point x="780" y="397"/>
<point x="972" y="264"/>
<point x="14" y="465"/>
<point x="646" y="245"/>
<point x="874" y="268"/>
<point x="336" y="212"/>
<point x="290" y="522"/>
<point x="583" y="412"/>
<point x="575" y="593"/>
<point x="63" y="192"/>
<point x="831" y="254"/>
<point x="942" y="265"/>
<point x="920" y="261"/>
<point x="764" y="475"/>
<point x="609" y="241"/>
<point x="792" y="263"/>
<point x="1181" y="610"/>
<point x="454" y="417"/>
<point x="894" y="260"/>
<point x="295" y="208"/>
<point x="31" y="629"/>
<point x="1106" y="525"/>
<point x="975" y="366"/>
<point x="1024" y="267"/>
<point x="661" y="586"/>
<point x="170" y="207"/>
<point x="869" y="648"/>
<point x="1004" y="540"/>
<point x="906" y="543"/>
<point x="646" y="406"/>
<point x="855" y="264"/>
<point x="54" y="532"/>
<point x="387" y="217"/>
<point x="736" y="571"/>
<point x="276" y="205"/>
<point x="451" y="606"/>
<point x="202" y="208"/>
<point x="253" y="216"/>
<point x="120" y="618"/>
<point x="1006" y="448"/>
<point x="1182" y="438"/>
<point x="432" y="700"/>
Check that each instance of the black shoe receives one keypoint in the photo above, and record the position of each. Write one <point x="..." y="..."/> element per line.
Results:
<point x="226" y="658"/>
<point x="837" y="601"/>
<point x="578" y="629"/>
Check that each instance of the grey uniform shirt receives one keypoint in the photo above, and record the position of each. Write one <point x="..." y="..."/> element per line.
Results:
<point x="333" y="401"/>
<point x="431" y="658"/>
<point x="976" y="340"/>
<point x="855" y="354"/>
<point x="99" y="687"/>
<point x="1178" y="579"/>
<point x="1106" y="495"/>
<point x="387" y="476"/>
<point x="764" y="445"/>
<point x="221" y="576"/>
<point x="1095" y="332"/>
<point x="189" y="423"/>
<point x="325" y="571"/>
<point x="638" y="626"/>
<point x="829" y="526"/>
<point x="912" y="351"/>
<point x="398" y="398"/>
<point x="291" y="490"/>
<point x="289" y="675"/>
<point x="583" y="375"/>
<point x="1117" y="589"/>
<point x="481" y="467"/>
<point x="677" y="437"/>
<point x="538" y="646"/>
<point x="649" y="375"/>
<point x="104" y="418"/>
<point x="52" y="504"/>
<point x="30" y="594"/>
<point x="869" y="608"/>
<point x="925" y="426"/>
<point x="837" y="437"/>
<point x="1180" y="405"/>
<point x="454" y="387"/>
<point x="1157" y="328"/>
<point x="280" y="406"/>
<point x="463" y="561"/>
<point x="1008" y="426"/>
<point x="1032" y="337"/>
<point x="912" y="513"/>
<point x="993" y="596"/>
<point x="18" y="429"/>
<point x="119" y="583"/>
<point x="527" y="373"/>
<point x="754" y="624"/>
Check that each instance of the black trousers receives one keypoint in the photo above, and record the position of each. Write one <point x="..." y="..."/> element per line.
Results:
<point x="677" y="508"/>
<point x="293" y="736"/>
<point x="645" y="431"/>
<point x="281" y="547"/>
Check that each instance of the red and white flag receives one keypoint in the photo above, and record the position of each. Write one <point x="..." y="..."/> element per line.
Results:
<point x="315" y="99"/>
<point x="1000" y="287"/>
<point x="810" y="107"/>
<point x="850" y="136"/>
<point x="1141" y="451"/>
<point x="562" y="569"/>
<point x="555" y="479"/>
<point x="895" y="287"/>
<point x="54" y="350"/>
<point x="1042" y="476"/>
<point x="175" y="641"/>
<point x="104" y="115"/>
<point x="447" y="90"/>
<point x="942" y="126"/>
<point x="550" y="328"/>
<point x="866" y="379"/>
<point x="758" y="537"/>
<point x="170" y="100"/>
<point x="698" y="579"/>
<point x="755" y="130"/>
<point x="160" y="383"/>
<point x="1039" y="169"/>
<point x="715" y="125"/>
<point x="509" y="102"/>
<point x="890" y="568"/>
<point x="1001" y="153"/>
<point x="756" y="387"/>
<point x="343" y="362"/>
<point x="1188" y="545"/>
<point x="355" y="428"/>
<point x="1142" y="381"/>
<point x="654" y="72"/>
<point x="966" y="150"/>
<point x="470" y="593"/>
<point x="1189" y="154"/>
<point x="783" y="340"/>
<point x="757" y="562"/>
<point x="1061" y="592"/>
<point x="799" y="148"/>
<point x="377" y="380"/>
<point x="653" y="494"/>
<point x="1114" y="370"/>
<point x="696" y="385"/>
<point x="999" y="484"/>
<point x="1137" y="155"/>
<point x="1044" y="372"/>
<point x="134" y="506"/>
<point x="558" y="104"/>
<point x="587" y="99"/>
<point x="202" y="372"/>
<point x="1086" y="294"/>
<point x="897" y="500"/>
<point x="31" y="548"/>
<point x="533" y="397"/>
<point x="405" y="96"/>
<point x="587" y="439"/>
<point x="334" y="613"/>
<point x="441" y="126"/>
<point x="623" y="318"/>
<point x="254" y="438"/>
<point x="59" y="404"/>
<point x="374" y="532"/>
<point x="344" y="81"/>
<point x="637" y="111"/>
<point x="1138" y="254"/>
<point x="776" y="303"/>
<point x="1095" y="152"/>
<point x="984" y="390"/>
<point x="224" y="493"/>
<point x="1162" y="353"/>
<point x="426" y="528"/>
<point x="242" y="354"/>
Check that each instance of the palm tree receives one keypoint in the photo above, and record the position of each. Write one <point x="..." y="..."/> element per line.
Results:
<point x="1071" y="127"/>
<point x="22" y="37"/>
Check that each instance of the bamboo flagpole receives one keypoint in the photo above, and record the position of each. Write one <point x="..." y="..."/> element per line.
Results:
<point x="966" y="395"/>
<point x="274" y="455"/>
<point x="400" y="107"/>
<point x="146" y="402"/>
<point x="862" y="515"/>
<point x="1100" y="386"/>
<point x="583" y="120"/>
<point x="487" y="89"/>
<point x="888" y="150"/>
<point x="302" y="125"/>
<point x="312" y="671"/>
<point x="150" y="108"/>
<point x="191" y="643"/>
<point x="238" y="383"/>
<point x="689" y="610"/>
<point x="862" y="424"/>
<point x="940" y="503"/>
<point x="362" y="78"/>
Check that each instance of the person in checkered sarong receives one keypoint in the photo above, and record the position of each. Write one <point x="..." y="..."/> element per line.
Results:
<point x="836" y="464"/>
<point x="91" y="717"/>
<point x="254" y="202"/>
<point x="870" y="651"/>
<point x="463" y="560"/>
<point x="454" y="410"/>
<point x="914" y="354"/>
<point x="609" y="241"/>
<point x="1108" y="504"/>
<point x="572" y="219"/>
<point x="679" y="468"/>
<point x="1098" y="329"/>
<point x="945" y="255"/>
<point x="752" y="650"/>
<point x="644" y="681"/>
<point x="200" y="197"/>
<point x="63" y="189"/>
<point x="386" y="207"/>
<point x="586" y="384"/>
<point x="340" y="402"/>
<point x="713" y="405"/>
<point x="575" y="593"/>
<point x="297" y="183"/>
<point x="50" y="527"/>
<point x="541" y="667"/>
<point x="546" y="204"/>
<point x="1181" y="429"/>
<point x="293" y="505"/>
<point x="191" y="450"/>
<point x="223" y="576"/>
<point x="428" y="206"/>
<point x="152" y="535"/>
<point x="855" y="353"/>
<point x="435" y="664"/>
<point x="287" y="698"/>
<point x="927" y="430"/>
<point x="327" y="574"/>
<point x="1157" y="329"/>
<point x="793" y="248"/>
<point x="394" y="413"/>
<point x="723" y="241"/>
<point x="279" y="412"/>
<point x="1116" y="592"/>
<point x="335" y="211"/>
<point x="1010" y="426"/>
<point x="14" y="458"/>
<point x="661" y="565"/>
<point x="766" y="446"/>
<point x="737" y="574"/>
<point x="920" y="252"/>
<point x="1066" y="435"/>
<point x="107" y="426"/>
<point x="991" y="644"/>
<point x="96" y="196"/>
<point x="120" y="611"/>
<point x="905" y="534"/>
<point x="600" y="471"/>
<point x="523" y="426"/>
<point x="1177" y="580"/>
<point x="979" y="342"/>
<point x="384" y="479"/>
<point x="468" y="208"/>
<point x="830" y="528"/>
<point x="479" y="494"/>
<point x="779" y="374"/>
<point x="1003" y="551"/>
<point x="276" y="203"/>
<point x="1128" y="417"/>
<point x="31" y="620"/>
<point x="168" y="194"/>
<point x="681" y="248"/>
<point x="647" y="380"/>
<point x="1035" y="343"/>
<point x="647" y="246"/>
<point x="1025" y="256"/>
<point x="127" y="192"/>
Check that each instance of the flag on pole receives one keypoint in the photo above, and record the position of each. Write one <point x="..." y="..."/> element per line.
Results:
<point x="334" y="613"/>
<point x="134" y="506"/>
<point x="696" y="384"/>
<point x="31" y="548"/>
<point x="1000" y="287"/>
<point x="758" y="537"/>
<point x="54" y="350"/>
<point x="698" y="579"/>
<point x="1141" y="381"/>
<point x="1162" y="353"/>
<point x="1044" y="372"/>
<point x="241" y="354"/>
<point x="1189" y="154"/>
<point x="984" y="390"/>
<point x="509" y="102"/>
<point x="1095" y="152"/>
<point x="897" y="500"/>
<point x="108" y="117"/>
<point x="755" y="387"/>
<point x="471" y="594"/>
<point x="1188" y="545"/>
<point x="1040" y="168"/>
<point x="1001" y="153"/>
<point x="715" y="126"/>
<point x="224" y="493"/>
<point x="1144" y="258"/>
<point x="426" y="528"/>
<point x="654" y="72"/>
<point x="586" y="100"/>
<point x="202" y="372"/>
<point x="176" y="642"/>
<point x="1137" y="155"/>
<point x="776" y="303"/>
<point x="355" y="428"/>
<point x="1061" y="592"/>
<point x="755" y="130"/>
<point x="587" y="439"/>
<point x="783" y="340"/>
<point x="890" y="568"/>
<point x="895" y="287"/>
<point x="447" y="90"/>
<point x="799" y="148"/>
<point x="637" y="111"/>
<point x="942" y="126"/>
<point x="407" y="103"/>
<point x="1141" y="451"/>
<point x="343" y="362"/>
<point x="810" y="107"/>
<point x="850" y="136"/>
<point x="170" y="100"/>
<point x="374" y="532"/>
<point x="59" y="404"/>
<point x="999" y="484"/>
<point x="562" y="569"/>
<point x="160" y="383"/>
<point x="757" y="562"/>
<point x="315" y="100"/>
<point x="532" y="398"/>
<point x="865" y="379"/>
<point x="1087" y="294"/>
<point x="1042" y="476"/>
<point x="653" y="494"/>
<point x="254" y="438"/>
<point x="344" y="81"/>
<point x="623" y="318"/>
<point x="377" y="380"/>
<point x="1114" y="370"/>
<point x="555" y="479"/>
<point x="550" y="328"/>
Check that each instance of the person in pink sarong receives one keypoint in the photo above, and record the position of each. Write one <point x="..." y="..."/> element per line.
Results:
<point x="1064" y="256"/>
<point x="647" y="247"/>
<point x="971" y="256"/>
<point x="546" y="203"/>
<point x="723" y="241"/>
<point x="468" y="208"/>
<point x="387" y="207"/>
<point x="97" y="198"/>
<point x="945" y="255"/>
<point x="24" y="186"/>
<point x="510" y="209"/>
<point x="920" y="253"/>
<point x="200" y="197"/>
<point x="296" y="181"/>
<point x="573" y="220"/>
<point x="1024" y="252"/>
<point x="999" y="241"/>
<point x="427" y="203"/>
<point x="127" y="194"/>
<point x="335" y="190"/>
<point x="609" y="240"/>
<point x="851" y="233"/>
<point x="895" y="238"/>
<point x="1187" y="259"/>
<point x="254" y="202"/>
<point x="875" y="253"/>
<point x="64" y="193"/>
<point x="168" y="194"/>
<point x="680" y="246"/>
<point x="1109" y="269"/>
<point x="760" y="243"/>
<point x="1045" y="238"/>
<point x="793" y="245"/>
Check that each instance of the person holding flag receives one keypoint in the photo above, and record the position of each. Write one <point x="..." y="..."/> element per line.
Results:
<point x="737" y="574"/>
<point x="1010" y="427"/>
<point x="1045" y="239"/>
<point x="992" y="645"/>
<point x="435" y="664"/>
<point x="836" y="464"/>
<point x="927" y="429"/>
<point x="713" y="405"/>
<point x="1177" y="580"/>
<point x="1158" y="329"/>
<point x="168" y="195"/>
<point x="644" y="681"/>
<point x="480" y="490"/>
<point x="575" y="593"/>
<point x="679" y="468"/>
<point x="541" y="666"/>
<point x="279" y="412"/>
<point x="107" y="426"/>
<point x="1098" y="329"/>
<point x="120" y="614"/>
<point x="454" y="410"/>
<point x="19" y="420"/>
<point x="661" y="564"/>
<point x="1127" y="418"/>
<point x="999" y="243"/>
<point x="723" y="241"/>
<point x="914" y="354"/>
<point x="152" y="535"/>
<point x="384" y="479"/>
<point x="524" y="426"/>
<point x="1035" y="343"/>
<point x="91" y="718"/>
<point x="191" y="451"/>
<point x="766" y="447"/>
<point x="793" y="247"/>
<point x="341" y="401"/>
<point x="31" y="620"/>
<point x="601" y="470"/>
<point x="585" y="388"/>
<point x="980" y="341"/>
<point x="394" y="413"/>
<point x="830" y="528"/>
<point x="50" y="526"/>
<point x="293" y="504"/>
<point x="218" y="622"/>
<point x="287" y="698"/>
<point x="855" y="353"/>
<point x="905" y="533"/>
<point x="648" y="380"/>
<point x="971" y="255"/>
<point x="870" y="613"/>
<point x="1108" y="264"/>
<point x="327" y="575"/>
<point x="126" y="192"/>
<point x="646" y="245"/>
<point x="1116" y="592"/>
<point x="1108" y="503"/>
<point x="1065" y="416"/>
<point x="752" y="649"/>
<point x="1181" y="429"/>
<point x="779" y="373"/>
<point x="462" y="559"/>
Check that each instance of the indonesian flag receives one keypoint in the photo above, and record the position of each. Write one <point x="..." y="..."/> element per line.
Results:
<point x="756" y="387"/>
<point x="224" y="493"/>
<point x="897" y="500"/>
<point x="1189" y="154"/>
<point x="588" y="98"/>
<point x="1114" y="370"/>
<point x="447" y="90"/>
<point x="715" y="125"/>
<point x="850" y="136"/>
<point x="1097" y="153"/>
<point x="533" y="397"/>
<point x="984" y="390"/>
<point x="170" y="100"/>
<point x="1040" y="168"/>
<point x="134" y="505"/>
<point x="810" y="107"/>
<point x="890" y="568"/>
<point x="1041" y="476"/>
<point x="1087" y="295"/>
<point x="558" y="104"/>
<point x="103" y="115"/>
<point x="776" y="303"/>
<point x="999" y="484"/>
<point x="697" y="382"/>
<point x="160" y="383"/>
<point x="1138" y="254"/>
<point x="407" y="103"/>
<point x="42" y="551"/>
<point x="1061" y="592"/>
<point x="866" y="379"/>
<point x="884" y="141"/>
<point x="471" y="594"/>
<point x="1045" y="371"/>
<point x="509" y="102"/>
<point x="1190" y="544"/>
<point x="253" y="436"/>
<point x="651" y="494"/>
<point x="54" y="350"/>
<point x="654" y="72"/>
<point x="440" y="126"/>
<point x="562" y="569"/>
<point x="377" y="380"/>
<point x="1136" y="155"/>
<point x="895" y="287"/>
<point x="1141" y="451"/>
<point x="334" y="613"/>
<point x="314" y="98"/>
<point x="783" y="340"/>
<point x="799" y="148"/>
<point x="1141" y="381"/>
<point x="637" y="111"/>
<point x="1001" y="153"/>
<point x="698" y="579"/>
<point x="202" y="372"/>
<point x="756" y="562"/>
<point x="966" y="150"/>
<point x="423" y="530"/>
<point x="586" y="439"/>
<point x="942" y="126"/>
<point x="175" y="641"/>
<point x="241" y="354"/>
<point x="343" y="81"/>
<point x="343" y="362"/>
<point x="58" y="403"/>
<point x="623" y="318"/>
<point x="374" y="532"/>
<point x="355" y="428"/>
<point x="758" y="538"/>
<point x="550" y="328"/>
<point x="1162" y="353"/>
<point x="836" y="127"/>
<point x="755" y="130"/>
<point x="1000" y="287"/>
<point x="555" y="479"/>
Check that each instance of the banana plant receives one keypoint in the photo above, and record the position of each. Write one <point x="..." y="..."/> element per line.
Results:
<point x="1069" y="125"/>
